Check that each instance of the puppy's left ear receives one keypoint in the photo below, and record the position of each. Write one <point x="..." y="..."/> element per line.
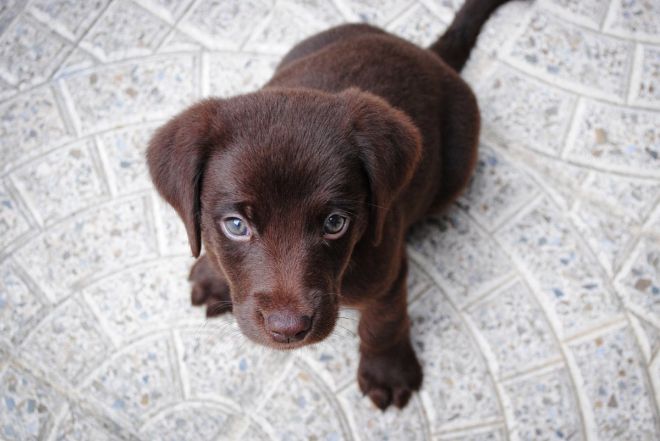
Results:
<point x="176" y="157"/>
<point x="390" y="148"/>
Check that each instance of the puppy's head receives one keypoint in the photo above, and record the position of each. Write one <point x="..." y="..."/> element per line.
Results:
<point x="280" y="186"/>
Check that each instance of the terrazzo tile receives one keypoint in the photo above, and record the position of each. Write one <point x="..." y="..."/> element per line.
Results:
<point x="177" y="41"/>
<point x="633" y="145"/>
<point x="475" y="435"/>
<point x="640" y="279"/>
<point x="572" y="56"/>
<point x="318" y="10"/>
<point x="198" y="421"/>
<point x="221" y="362"/>
<point x="80" y="425"/>
<point x="299" y="408"/>
<point x="418" y="25"/>
<point x="137" y="381"/>
<point x="544" y="407"/>
<point x="497" y="190"/>
<point x="28" y="407"/>
<point x="124" y="150"/>
<point x="120" y="94"/>
<point x="78" y="60"/>
<point x="371" y="424"/>
<point x="124" y="30"/>
<point x="566" y="278"/>
<point x="459" y="388"/>
<point x="67" y="344"/>
<point x="174" y="236"/>
<point x="646" y="89"/>
<point x="170" y="9"/>
<point x="634" y="18"/>
<point x="515" y="328"/>
<point x="525" y="112"/>
<point x="254" y="432"/>
<point x="61" y="182"/>
<point x="144" y="298"/>
<point x="13" y="221"/>
<point x="235" y="73"/>
<point x="95" y="242"/>
<point x="454" y="247"/>
<point x="224" y="25"/>
<point x="20" y="308"/>
<point x="590" y="13"/>
<point x="29" y="53"/>
<point x="69" y="17"/>
<point x="9" y="10"/>
<point x="617" y="387"/>
<point x="650" y="338"/>
<point x="374" y="12"/>
<point x="283" y="28"/>
<point x="28" y="123"/>
<point x="336" y="358"/>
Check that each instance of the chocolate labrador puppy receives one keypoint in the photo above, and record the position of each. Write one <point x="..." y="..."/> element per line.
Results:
<point x="302" y="192"/>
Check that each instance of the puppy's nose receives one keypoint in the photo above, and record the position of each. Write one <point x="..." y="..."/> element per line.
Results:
<point x="287" y="326"/>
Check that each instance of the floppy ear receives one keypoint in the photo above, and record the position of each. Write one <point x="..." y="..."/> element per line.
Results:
<point x="176" y="157"/>
<point x="389" y="146"/>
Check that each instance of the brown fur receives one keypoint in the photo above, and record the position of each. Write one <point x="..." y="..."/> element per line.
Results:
<point x="355" y="121"/>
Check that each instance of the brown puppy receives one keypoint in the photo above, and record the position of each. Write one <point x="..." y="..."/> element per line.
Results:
<point x="302" y="192"/>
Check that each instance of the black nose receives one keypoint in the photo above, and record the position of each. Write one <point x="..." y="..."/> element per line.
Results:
<point x="287" y="326"/>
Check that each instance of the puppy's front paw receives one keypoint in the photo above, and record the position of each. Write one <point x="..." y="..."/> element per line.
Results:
<point x="390" y="377"/>
<point x="209" y="288"/>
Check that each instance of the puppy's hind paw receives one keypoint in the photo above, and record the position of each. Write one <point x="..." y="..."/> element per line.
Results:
<point x="209" y="288"/>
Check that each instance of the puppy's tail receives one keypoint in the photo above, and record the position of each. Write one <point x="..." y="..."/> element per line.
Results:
<point x="456" y="43"/>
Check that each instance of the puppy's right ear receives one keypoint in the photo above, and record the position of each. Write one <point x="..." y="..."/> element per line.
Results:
<point x="176" y="157"/>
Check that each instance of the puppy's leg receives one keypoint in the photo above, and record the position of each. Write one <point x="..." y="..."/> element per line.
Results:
<point x="209" y="287"/>
<point x="389" y="371"/>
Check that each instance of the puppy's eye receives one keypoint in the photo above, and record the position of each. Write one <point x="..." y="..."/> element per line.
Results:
<point x="236" y="228"/>
<point x="335" y="226"/>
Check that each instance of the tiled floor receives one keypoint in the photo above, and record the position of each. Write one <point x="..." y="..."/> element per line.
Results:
<point x="535" y="302"/>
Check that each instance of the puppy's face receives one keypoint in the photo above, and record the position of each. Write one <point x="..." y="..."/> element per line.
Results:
<point x="283" y="206"/>
<point x="280" y="186"/>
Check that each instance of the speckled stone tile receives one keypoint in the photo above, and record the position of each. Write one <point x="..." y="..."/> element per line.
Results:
<point x="300" y="408"/>
<point x="617" y="386"/>
<point x="28" y="407"/>
<point x="69" y="17"/>
<point x="173" y="234"/>
<point x="124" y="30"/>
<point x="224" y="25"/>
<point x="61" y="182"/>
<point x="144" y="298"/>
<point x="135" y="92"/>
<point x="13" y="220"/>
<point x="634" y="18"/>
<point x="67" y="342"/>
<point x="75" y="62"/>
<point x="170" y="9"/>
<point x="177" y="41"/>
<point x="124" y="150"/>
<point x="525" y="112"/>
<point x="630" y="146"/>
<point x="497" y="190"/>
<point x="95" y="242"/>
<point x="373" y="425"/>
<point x="29" y="52"/>
<point x="234" y="73"/>
<point x="374" y="12"/>
<point x="569" y="55"/>
<point x="20" y="308"/>
<point x="219" y="362"/>
<point x="544" y="407"/>
<point x="568" y="280"/>
<point x="640" y="279"/>
<point x="480" y="434"/>
<point x="83" y="426"/>
<point x="463" y="391"/>
<point x="515" y="328"/>
<point x="137" y="381"/>
<point x="590" y="13"/>
<point x="318" y="10"/>
<point x="195" y="420"/>
<point x="646" y="89"/>
<point x="453" y="246"/>
<point x="29" y="123"/>
<point x="418" y="25"/>
<point x="9" y="9"/>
